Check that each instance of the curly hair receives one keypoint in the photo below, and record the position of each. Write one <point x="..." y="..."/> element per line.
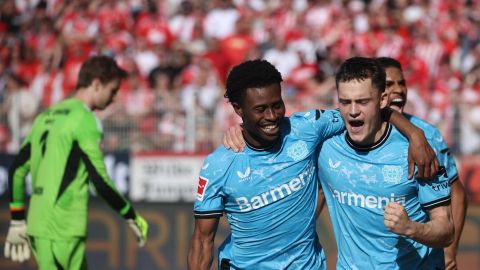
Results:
<point x="362" y="68"/>
<point x="250" y="74"/>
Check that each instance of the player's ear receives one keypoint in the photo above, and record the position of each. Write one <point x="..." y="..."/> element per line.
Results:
<point x="384" y="99"/>
<point x="238" y="109"/>
<point x="96" y="84"/>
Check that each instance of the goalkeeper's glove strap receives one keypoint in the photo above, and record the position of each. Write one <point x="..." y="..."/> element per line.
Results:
<point x="17" y="214"/>
<point x="130" y="214"/>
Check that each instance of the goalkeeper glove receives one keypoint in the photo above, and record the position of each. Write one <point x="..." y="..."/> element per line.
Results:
<point x="139" y="227"/>
<point x="17" y="245"/>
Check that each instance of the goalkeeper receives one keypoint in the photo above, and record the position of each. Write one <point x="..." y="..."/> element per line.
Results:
<point x="62" y="153"/>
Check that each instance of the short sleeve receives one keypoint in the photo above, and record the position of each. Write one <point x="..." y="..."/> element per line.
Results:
<point x="445" y="158"/>
<point x="317" y="125"/>
<point x="209" y="198"/>
<point x="438" y="143"/>
<point x="436" y="192"/>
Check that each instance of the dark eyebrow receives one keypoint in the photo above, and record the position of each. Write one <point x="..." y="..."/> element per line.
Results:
<point x="363" y="99"/>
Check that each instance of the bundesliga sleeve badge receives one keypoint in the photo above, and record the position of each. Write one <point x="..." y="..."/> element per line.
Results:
<point x="202" y="186"/>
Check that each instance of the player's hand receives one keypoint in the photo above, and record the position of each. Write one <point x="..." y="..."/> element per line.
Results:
<point x="234" y="139"/>
<point x="396" y="219"/>
<point x="16" y="245"/>
<point x="421" y="153"/>
<point x="139" y="227"/>
<point x="450" y="259"/>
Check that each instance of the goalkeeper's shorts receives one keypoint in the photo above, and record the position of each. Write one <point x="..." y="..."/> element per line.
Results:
<point x="57" y="254"/>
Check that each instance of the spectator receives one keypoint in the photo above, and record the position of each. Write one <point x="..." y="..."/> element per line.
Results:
<point x="44" y="42"/>
<point x="20" y="107"/>
<point x="220" y="21"/>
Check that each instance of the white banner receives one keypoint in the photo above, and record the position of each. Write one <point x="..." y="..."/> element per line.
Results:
<point x="164" y="178"/>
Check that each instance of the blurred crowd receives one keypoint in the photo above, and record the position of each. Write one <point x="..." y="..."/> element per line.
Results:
<point x="178" y="53"/>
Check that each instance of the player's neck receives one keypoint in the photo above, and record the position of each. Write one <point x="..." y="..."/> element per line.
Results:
<point x="378" y="139"/>
<point x="259" y="146"/>
<point x="380" y="132"/>
<point x="85" y="96"/>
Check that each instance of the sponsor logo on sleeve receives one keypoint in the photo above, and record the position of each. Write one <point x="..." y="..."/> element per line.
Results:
<point x="441" y="186"/>
<point x="202" y="186"/>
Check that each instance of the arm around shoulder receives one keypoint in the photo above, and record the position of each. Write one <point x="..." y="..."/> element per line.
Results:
<point x="420" y="151"/>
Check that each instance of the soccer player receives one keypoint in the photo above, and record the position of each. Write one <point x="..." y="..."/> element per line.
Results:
<point x="269" y="191"/>
<point x="396" y="87"/>
<point x="62" y="151"/>
<point x="381" y="220"/>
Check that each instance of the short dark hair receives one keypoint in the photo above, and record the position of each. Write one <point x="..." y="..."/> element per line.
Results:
<point x="99" y="67"/>
<point x="387" y="62"/>
<point x="362" y="68"/>
<point x="250" y="74"/>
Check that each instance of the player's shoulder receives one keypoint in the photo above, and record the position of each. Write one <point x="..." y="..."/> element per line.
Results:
<point x="221" y="154"/>
<point x="74" y="109"/>
<point x="82" y="115"/>
<point x="313" y="117"/>
<point x="313" y="114"/>
<point x="302" y="115"/>
<point x="218" y="162"/>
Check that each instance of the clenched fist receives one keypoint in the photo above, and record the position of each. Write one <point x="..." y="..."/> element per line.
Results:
<point x="396" y="219"/>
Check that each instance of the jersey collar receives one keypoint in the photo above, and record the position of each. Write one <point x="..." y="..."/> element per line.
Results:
<point x="369" y="147"/>
<point x="260" y="149"/>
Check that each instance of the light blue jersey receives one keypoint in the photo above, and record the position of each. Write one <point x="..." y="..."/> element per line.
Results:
<point x="359" y="182"/>
<point x="269" y="196"/>
<point x="433" y="134"/>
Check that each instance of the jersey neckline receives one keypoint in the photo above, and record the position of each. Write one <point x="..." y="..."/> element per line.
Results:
<point x="369" y="147"/>
<point x="261" y="149"/>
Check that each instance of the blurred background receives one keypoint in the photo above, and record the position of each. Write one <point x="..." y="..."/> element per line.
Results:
<point x="171" y="112"/>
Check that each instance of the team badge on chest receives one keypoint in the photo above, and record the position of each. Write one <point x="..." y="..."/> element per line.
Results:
<point x="392" y="174"/>
<point x="298" y="151"/>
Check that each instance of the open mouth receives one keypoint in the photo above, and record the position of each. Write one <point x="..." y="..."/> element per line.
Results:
<point x="397" y="103"/>
<point x="270" y="129"/>
<point x="356" y="125"/>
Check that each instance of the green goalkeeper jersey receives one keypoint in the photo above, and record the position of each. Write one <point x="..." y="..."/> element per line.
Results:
<point x="62" y="152"/>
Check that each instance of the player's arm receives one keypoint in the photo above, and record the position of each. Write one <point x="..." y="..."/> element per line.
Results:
<point x="438" y="232"/>
<point x="200" y="252"/>
<point x="459" y="208"/>
<point x="314" y="124"/>
<point x="419" y="152"/>
<point x="233" y="139"/>
<point x="320" y="202"/>
<point x="434" y="196"/>
<point x="92" y="157"/>
<point x="16" y="243"/>
<point x="16" y="181"/>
